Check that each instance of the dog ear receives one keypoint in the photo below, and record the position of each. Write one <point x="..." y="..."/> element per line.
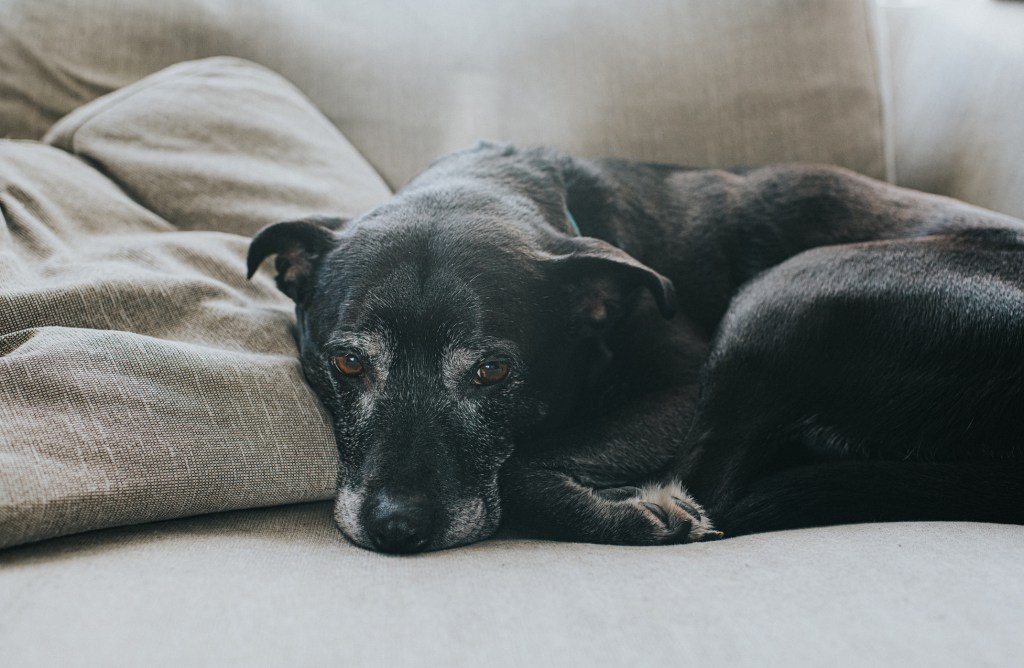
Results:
<point x="600" y="278"/>
<point x="299" y="246"/>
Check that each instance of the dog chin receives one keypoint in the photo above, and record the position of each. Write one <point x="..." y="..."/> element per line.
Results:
<point x="470" y="521"/>
<point x="346" y="510"/>
<point x="474" y="520"/>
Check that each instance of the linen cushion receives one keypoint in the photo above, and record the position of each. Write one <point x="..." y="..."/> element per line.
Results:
<point x="221" y="143"/>
<point x="141" y="376"/>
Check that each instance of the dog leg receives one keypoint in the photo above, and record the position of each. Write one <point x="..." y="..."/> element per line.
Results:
<point x="874" y="491"/>
<point x="590" y="488"/>
<point x="559" y="506"/>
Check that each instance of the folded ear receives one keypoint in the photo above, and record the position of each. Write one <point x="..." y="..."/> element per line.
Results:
<point x="600" y="279"/>
<point x="299" y="246"/>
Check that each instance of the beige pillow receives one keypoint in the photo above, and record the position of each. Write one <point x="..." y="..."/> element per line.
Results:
<point x="141" y="376"/>
<point x="221" y="144"/>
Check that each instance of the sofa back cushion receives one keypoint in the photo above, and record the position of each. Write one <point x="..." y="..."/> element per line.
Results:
<point x="698" y="82"/>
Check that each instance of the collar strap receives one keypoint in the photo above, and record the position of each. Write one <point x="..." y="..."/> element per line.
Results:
<point x="573" y="223"/>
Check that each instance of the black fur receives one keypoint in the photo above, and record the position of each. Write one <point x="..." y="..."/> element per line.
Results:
<point x="875" y="376"/>
<point x="874" y="381"/>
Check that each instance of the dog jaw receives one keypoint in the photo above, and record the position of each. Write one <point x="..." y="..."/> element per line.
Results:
<point x="346" y="515"/>
<point x="468" y="521"/>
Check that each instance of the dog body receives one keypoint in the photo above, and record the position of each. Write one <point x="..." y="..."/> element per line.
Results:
<point x="481" y="361"/>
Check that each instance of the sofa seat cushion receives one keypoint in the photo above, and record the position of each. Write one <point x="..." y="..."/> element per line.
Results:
<point x="281" y="587"/>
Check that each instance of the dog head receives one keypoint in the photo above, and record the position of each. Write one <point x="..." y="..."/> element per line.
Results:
<point x="441" y="328"/>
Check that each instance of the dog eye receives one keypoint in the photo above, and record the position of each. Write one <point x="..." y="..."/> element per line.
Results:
<point x="349" y="364"/>
<point x="490" y="373"/>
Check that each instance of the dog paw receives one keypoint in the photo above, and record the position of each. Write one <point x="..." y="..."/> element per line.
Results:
<point x="657" y="514"/>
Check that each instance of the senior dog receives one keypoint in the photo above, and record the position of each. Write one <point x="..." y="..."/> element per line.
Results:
<point x="623" y="352"/>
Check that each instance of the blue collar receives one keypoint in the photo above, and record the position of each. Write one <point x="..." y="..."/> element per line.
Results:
<point x="572" y="221"/>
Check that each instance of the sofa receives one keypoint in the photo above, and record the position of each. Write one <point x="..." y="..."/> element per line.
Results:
<point x="166" y="474"/>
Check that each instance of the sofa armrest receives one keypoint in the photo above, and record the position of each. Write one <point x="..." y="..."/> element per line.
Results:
<point x="957" y="91"/>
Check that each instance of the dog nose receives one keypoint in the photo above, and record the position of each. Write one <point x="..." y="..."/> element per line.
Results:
<point x="400" y="524"/>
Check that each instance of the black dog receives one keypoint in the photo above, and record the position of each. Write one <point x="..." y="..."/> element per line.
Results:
<point x="467" y="338"/>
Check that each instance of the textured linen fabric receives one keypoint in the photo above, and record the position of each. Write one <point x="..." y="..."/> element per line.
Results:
<point x="281" y="587"/>
<point x="141" y="376"/>
<point x="222" y="144"/>
<point x="690" y="82"/>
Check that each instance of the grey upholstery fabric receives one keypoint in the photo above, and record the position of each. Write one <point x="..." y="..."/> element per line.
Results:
<point x="690" y="81"/>
<point x="281" y="587"/>
<point x="141" y="376"/>
<point x="957" y="72"/>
